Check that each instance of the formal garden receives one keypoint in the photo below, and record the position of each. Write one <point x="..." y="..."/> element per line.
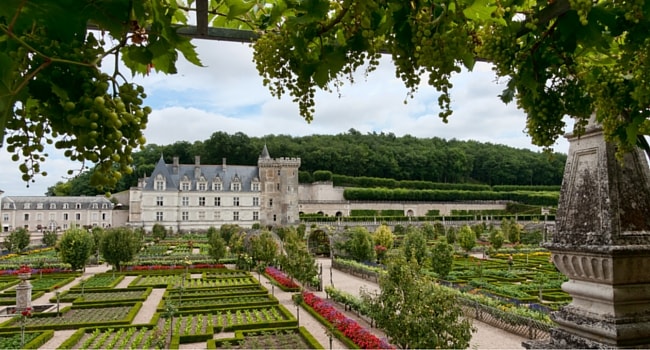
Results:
<point x="213" y="296"/>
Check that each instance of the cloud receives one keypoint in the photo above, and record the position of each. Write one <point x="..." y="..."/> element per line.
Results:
<point x="227" y="95"/>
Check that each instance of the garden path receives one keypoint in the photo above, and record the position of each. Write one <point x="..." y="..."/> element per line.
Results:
<point x="485" y="337"/>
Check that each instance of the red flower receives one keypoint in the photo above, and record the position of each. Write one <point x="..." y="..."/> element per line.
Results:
<point x="24" y="269"/>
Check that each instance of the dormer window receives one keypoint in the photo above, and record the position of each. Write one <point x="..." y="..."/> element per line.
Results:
<point x="217" y="185"/>
<point x="235" y="185"/>
<point x="39" y="205"/>
<point x="26" y="205"/>
<point x="95" y="206"/>
<point x="66" y="206"/>
<point x="202" y="184"/>
<point x="159" y="184"/>
<point x="77" y="206"/>
<point x="185" y="183"/>
<point x="255" y="185"/>
<point x="104" y="206"/>
<point x="52" y="205"/>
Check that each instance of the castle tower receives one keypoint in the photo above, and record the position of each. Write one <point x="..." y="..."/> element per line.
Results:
<point x="279" y="189"/>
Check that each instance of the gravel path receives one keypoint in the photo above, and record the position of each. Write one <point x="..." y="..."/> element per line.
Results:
<point x="486" y="336"/>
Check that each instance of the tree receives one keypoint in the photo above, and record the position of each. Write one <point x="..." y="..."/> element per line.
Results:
<point x="442" y="258"/>
<point x="429" y="231"/>
<point x="451" y="235"/>
<point x="466" y="238"/>
<point x="17" y="240"/>
<point x="50" y="238"/>
<point x="439" y="229"/>
<point x="75" y="247"/>
<point x="415" y="245"/>
<point x="297" y="261"/>
<point x="360" y="245"/>
<point x="514" y="232"/>
<point x="119" y="245"/>
<point x="383" y="239"/>
<point x="265" y="248"/>
<point x="496" y="238"/>
<point x="158" y="232"/>
<point x="416" y="313"/>
<point x="217" y="246"/>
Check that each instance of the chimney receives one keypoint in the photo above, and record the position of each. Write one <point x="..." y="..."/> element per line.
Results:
<point x="197" y="167"/>
<point x="223" y="163"/>
<point x="175" y="166"/>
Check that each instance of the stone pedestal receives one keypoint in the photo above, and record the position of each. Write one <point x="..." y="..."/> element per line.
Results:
<point x="23" y="292"/>
<point x="602" y="244"/>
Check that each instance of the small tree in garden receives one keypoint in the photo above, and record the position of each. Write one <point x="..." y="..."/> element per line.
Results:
<point x="228" y="231"/>
<point x="442" y="258"/>
<point x="479" y="229"/>
<point x="119" y="245"/>
<point x="415" y="312"/>
<point x="439" y="229"/>
<point x="98" y="234"/>
<point x="217" y="246"/>
<point x="236" y="242"/>
<point x="383" y="239"/>
<point x="496" y="238"/>
<point x="429" y="231"/>
<point x="415" y="244"/>
<point x="17" y="240"/>
<point x="451" y="235"/>
<point x="158" y="232"/>
<point x="514" y="234"/>
<point x="466" y="238"/>
<point x="211" y="231"/>
<point x="265" y="248"/>
<point x="360" y="245"/>
<point x="297" y="262"/>
<point x="50" y="238"/>
<point x="75" y="247"/>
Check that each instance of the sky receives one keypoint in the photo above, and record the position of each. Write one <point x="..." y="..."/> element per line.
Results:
<point x="227" y="95"/>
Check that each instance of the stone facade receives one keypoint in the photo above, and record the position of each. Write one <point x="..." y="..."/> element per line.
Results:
<point x="40" y="213"/>
<point x="187" y="197"/>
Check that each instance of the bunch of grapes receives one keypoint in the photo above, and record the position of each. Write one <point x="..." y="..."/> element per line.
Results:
<point x="94" y="117"/>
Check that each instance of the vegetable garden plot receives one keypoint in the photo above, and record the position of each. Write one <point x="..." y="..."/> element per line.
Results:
<point x="225" y="302"/>
<point x="219" y="292"/>
<point x="118" y="338"/>
<point x="178" y="280"/>
<point x="102" y="280"/>
<point x="231" y="319"/>
<point x="104" y="295"/>
<point x="276" y="339"/>
<point x="77" y="317"/>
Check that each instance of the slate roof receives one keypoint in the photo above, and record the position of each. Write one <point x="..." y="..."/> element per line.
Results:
<point x="18" y="202"/>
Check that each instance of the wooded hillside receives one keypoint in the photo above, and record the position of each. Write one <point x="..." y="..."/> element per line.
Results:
<point x="355" y="154"/>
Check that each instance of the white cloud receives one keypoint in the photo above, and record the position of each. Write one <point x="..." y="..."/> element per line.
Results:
<point x="227" y="95"/>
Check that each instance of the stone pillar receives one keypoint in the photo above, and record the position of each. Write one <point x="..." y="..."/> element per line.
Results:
<point x="602" y="244"/>
<point x="23" y="292"/>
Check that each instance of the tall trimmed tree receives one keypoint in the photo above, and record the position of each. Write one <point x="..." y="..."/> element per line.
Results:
<point x="75" y="247"/>
<point x="119" y="245"/>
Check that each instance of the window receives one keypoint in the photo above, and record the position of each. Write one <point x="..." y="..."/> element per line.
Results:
<point x="236" y="187"/>
<point x="103" y="216"/>
<point x="77" y="216"/>
<point x="185" y="201"/>
<point x="66" y="206"/>
<point x="5" y="217"/>
<point x="217" y="201"/>
<point x="52" y="205"/>
<point x="274" y="217"/>
<point x="95" y="216"/>
<point x="277" y="186"/>
<point x="256" y="187"/>
<point x="185" y="186"/>
<point x="201" y="215"/>
<point x="65" y="216"/>
<point x="256" y="215"/>
<point x="159" y="185"/>
<point x="26" y="217"/>
<point x="185" y="215"/>
<point x="65" y="226"/>
<point x="77" y="206"/>
<point x="52" y="216"/>
<point x="235" y="201"/>
<point x="216" y="186"/>
<point x="159" y="216"/>
<point x="159" y="201"/>
<point x="39" y="217"/>
<point x="235" y="216"/>
<point x="278" y="172"/>
<point x="39" y="205"/>
<point x="256" y="201"/>
<point x="202" y="186"/>
<point x="271" y="202"/>
<point x="217" y="215"/>
<point x="95" y="206"/>
<point x="26" y="205"/>
<point x="202" y="201"/>
<point x="104" y="206"/>
<point x="6" y="206"/>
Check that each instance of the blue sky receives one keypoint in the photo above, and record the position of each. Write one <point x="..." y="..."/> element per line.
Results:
<point x="227" y="95"/>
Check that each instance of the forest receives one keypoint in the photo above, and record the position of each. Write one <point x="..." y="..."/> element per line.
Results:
<point x="378" y="155"/>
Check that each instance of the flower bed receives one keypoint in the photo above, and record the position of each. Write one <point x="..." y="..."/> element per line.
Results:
<point x="348" y="327"/>
<point x="283" y="281"/>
